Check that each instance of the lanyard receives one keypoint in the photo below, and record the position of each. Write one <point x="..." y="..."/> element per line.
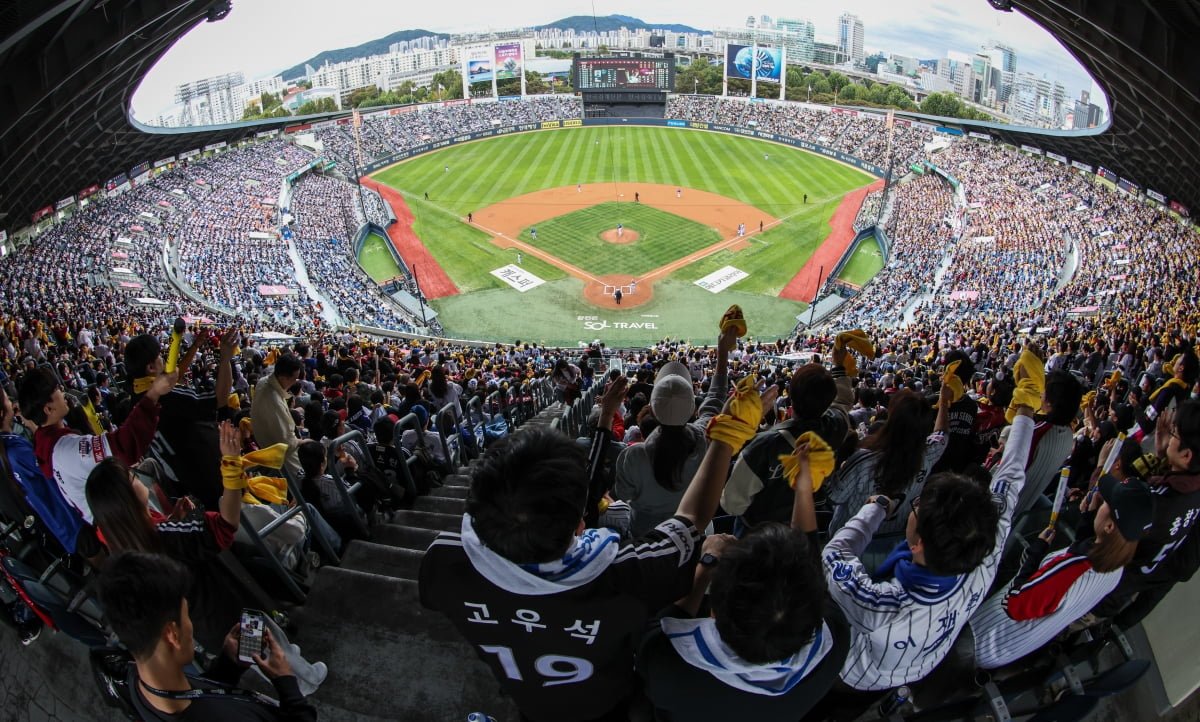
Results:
<point x="193" y="694"/>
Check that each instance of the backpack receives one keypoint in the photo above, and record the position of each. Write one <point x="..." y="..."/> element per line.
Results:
<point x="427" y="472"/>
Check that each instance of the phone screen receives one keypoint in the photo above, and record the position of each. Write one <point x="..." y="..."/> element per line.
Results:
<point x="250" y="639"/>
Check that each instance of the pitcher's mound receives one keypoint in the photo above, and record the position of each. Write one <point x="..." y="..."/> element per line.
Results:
<point x="627" y="236"/>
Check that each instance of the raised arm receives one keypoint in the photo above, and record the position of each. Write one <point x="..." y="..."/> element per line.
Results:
<point x="232" y="477"/>
<point x="610" y="401"/>
<point x="225" y="367"/>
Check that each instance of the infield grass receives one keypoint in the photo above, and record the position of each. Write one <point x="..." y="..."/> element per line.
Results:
<point x="864" y="264"/>
<point x="663" y="237"/>
<point x="771" y="177"/>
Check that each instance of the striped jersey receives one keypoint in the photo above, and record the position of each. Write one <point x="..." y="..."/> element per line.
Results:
<point x="899" y="635"/>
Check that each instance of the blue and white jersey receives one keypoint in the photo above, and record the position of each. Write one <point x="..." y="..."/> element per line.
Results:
<point x="899" y="635"/>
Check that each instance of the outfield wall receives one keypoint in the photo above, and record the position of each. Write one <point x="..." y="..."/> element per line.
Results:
<point x="651" y="122"/>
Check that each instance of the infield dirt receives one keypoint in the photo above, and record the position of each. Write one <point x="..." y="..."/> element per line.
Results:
<point x="505" y="221"/>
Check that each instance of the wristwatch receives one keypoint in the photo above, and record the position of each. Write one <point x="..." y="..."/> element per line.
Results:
<point x="883" y="501"/>
<point x="709" y="560"/>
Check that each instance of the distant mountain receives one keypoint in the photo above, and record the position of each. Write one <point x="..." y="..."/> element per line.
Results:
<point x="608" y="23"/>
<point x="379" y="46"/>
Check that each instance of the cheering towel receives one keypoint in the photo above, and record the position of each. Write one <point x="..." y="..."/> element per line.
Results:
<point x="820" y="460"/>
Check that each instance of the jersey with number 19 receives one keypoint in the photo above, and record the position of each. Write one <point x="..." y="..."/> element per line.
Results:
<point x="560" y="636"/>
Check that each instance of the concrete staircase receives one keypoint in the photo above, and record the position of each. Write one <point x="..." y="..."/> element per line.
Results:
<point x="388" y="657"/>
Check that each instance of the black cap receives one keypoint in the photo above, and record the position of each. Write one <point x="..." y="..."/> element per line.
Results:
<point x="1131" y="503"/>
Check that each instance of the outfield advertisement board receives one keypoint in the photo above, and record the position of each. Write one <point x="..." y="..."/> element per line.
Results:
<point x="871" y="168"/>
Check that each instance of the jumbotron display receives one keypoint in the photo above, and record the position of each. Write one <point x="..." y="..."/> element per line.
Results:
<point x="624" y="73"/>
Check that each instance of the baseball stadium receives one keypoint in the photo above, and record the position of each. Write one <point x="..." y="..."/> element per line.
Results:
<point x="871" y="412"/>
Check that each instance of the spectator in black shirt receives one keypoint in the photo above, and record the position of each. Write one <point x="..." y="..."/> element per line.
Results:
<point x="144" y="598"/>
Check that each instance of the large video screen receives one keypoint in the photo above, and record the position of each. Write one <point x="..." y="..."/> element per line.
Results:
<point x="742" y="60"/>
<point x="624" y="74"/>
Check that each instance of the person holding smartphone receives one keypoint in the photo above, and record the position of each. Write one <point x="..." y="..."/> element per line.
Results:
<point x="145" y="600"/>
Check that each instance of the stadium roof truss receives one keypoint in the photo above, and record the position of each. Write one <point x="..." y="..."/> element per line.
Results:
<point x="68" y="71"/>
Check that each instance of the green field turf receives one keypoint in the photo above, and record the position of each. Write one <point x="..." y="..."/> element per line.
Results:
<point x="487" y="172"/>
<point x="663" y="237"/>
<point x="377" y="260"/>
<point x="864" y="264"/>
<point x="556" y="314"/>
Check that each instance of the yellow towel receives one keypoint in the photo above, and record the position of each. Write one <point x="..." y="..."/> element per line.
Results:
<point x="1177" y="383"/>
<point x="234" y="402"/>
<point x="820" y="460"/>
<point x="733" y="317"/>
<point x="1086" y="402"/>
<point x="741" y="423"/>
<point x="269" y="489"/>
<point x="952" y="380"/>
<point x="1030" y="385"/>
<point x="856" y="340"/>
<point x="93" y="418"/>
<point x="233" y="468"/>
<point x="1113" y="379"/>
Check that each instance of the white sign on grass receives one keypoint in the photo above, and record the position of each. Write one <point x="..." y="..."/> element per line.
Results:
<point x="718" y="281"/>
<point x="517" y="277"/>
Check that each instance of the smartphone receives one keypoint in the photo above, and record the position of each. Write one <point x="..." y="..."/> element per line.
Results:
<point x="250" y="637"/>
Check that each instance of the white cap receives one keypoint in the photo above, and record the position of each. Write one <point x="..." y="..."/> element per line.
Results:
<point x="672" y="399"/>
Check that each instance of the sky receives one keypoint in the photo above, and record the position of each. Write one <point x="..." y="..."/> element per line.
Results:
<point x="262" y="37"/>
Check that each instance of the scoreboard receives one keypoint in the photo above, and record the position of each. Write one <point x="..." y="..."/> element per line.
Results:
<point x="624" y="74"/>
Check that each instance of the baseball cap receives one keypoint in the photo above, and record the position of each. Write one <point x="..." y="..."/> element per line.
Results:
<point x="1131" y="503"/>
<point x="672" y="399"/>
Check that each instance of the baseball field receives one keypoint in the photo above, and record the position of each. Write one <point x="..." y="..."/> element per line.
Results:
<point x="682" y="222"/>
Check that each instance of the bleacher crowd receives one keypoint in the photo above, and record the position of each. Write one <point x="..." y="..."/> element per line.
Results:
<point x="877" y="485"/>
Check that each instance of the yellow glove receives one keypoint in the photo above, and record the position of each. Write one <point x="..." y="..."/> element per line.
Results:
<point x="733" y="317"/>
<point x="741" y="423"/>
<point x="856" y="340"/>
<point x="1088" y="399"/>
<point x="951" y="379"/>
<point x="1030" y="385"/>
<point x="820" y="460"/>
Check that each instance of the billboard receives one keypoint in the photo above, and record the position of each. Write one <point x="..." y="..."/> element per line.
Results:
<point x="623" y="74"/>
<point x="743" y="60"/>
<point x="508" y="61"/>
<point x="479" y="71"/>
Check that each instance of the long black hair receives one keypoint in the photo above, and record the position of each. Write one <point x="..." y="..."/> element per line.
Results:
<point x="117" y="511"/>
<point x="900" y="442"/>
<point x="672" y="449"/>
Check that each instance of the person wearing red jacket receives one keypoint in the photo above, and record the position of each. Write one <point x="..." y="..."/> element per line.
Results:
<point x="67" y="456"/>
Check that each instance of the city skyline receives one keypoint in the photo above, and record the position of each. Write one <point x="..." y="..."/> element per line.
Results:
<point x="926" y="33"/>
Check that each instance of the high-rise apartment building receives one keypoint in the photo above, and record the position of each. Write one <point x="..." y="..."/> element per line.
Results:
<point x="799" y="40"/>
<point x="209" y="101"/>
<point x="850" y="38"/>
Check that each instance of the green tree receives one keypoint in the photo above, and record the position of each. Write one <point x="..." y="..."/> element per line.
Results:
<point x="321" y="105"/>
<point x="269" y="100"/>
<point x="850" y="93"/>
<point x="534" y="85"/>
<point x="360" y="95"/>
<point x="943" y="104"/>
<point x="451" y="84"/>
<point x="837" y="81"/>
<point x="699" y="77"/>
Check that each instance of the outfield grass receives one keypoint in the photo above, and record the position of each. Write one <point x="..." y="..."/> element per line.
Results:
<point x="377" y="260"/>
<point x="663" y="237"/>
<point x="864" y="264"/>
<point x="556" y="314"/>
<point x="487" y="172"/>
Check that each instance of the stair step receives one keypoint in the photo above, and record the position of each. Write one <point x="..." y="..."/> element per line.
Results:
<point x="370" y="598"/>
<point x="441" y="505"/>
<point x="450" y="492"/>
<point x="427" y="520"/>
<point x="382" y="559"/>
<point x="404" y="536"/>
<point x="456" y="480"/>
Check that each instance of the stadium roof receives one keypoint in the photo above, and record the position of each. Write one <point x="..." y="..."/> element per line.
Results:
<point x="1139" y="52"/>
<point x="68" y="70"/>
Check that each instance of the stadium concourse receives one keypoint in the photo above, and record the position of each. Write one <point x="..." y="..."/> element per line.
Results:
<point x="1024" y="285"/>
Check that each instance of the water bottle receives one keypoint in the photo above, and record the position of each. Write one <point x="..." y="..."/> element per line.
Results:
<point x="480" y="717"/>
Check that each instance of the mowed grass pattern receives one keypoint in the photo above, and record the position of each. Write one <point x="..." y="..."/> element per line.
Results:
<point x="771" y="177"/>
<point x="663" y="237"/>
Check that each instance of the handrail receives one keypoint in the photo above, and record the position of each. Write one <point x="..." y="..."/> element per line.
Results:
<point x="453" y="457"/>
<point x="333" y="469"/>
<point x="410" y="420"/>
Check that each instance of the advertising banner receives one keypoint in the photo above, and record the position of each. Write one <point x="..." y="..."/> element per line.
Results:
<point x="508" y="61"/>
<point x="480" y="65"/>
<point x="517" y="277"/>
<point x="189" y="154"/>
<point x="1127" y="185"/>
<point x="114" y="183"/>
<point x="743" y="61"/>
<point x="1156" y="195"/>
<point x="718" y="281"/>
<point x="215" y="146"/>
<point x="1106" y="174"/>
<point x="139" y="169"/>
<point x="1081" y="166"/>
<point x="3" y="236"/>
<point x="41" y="213"/>
<point x="980" y="136"/>
<point x="63" y="203"/>
<point x="164" y="161"/>
<point x="1031" y="149"/>
<point x="90" y="190"/>
<point x="1056" y="156"/>
<point x="1180" y="209"/>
